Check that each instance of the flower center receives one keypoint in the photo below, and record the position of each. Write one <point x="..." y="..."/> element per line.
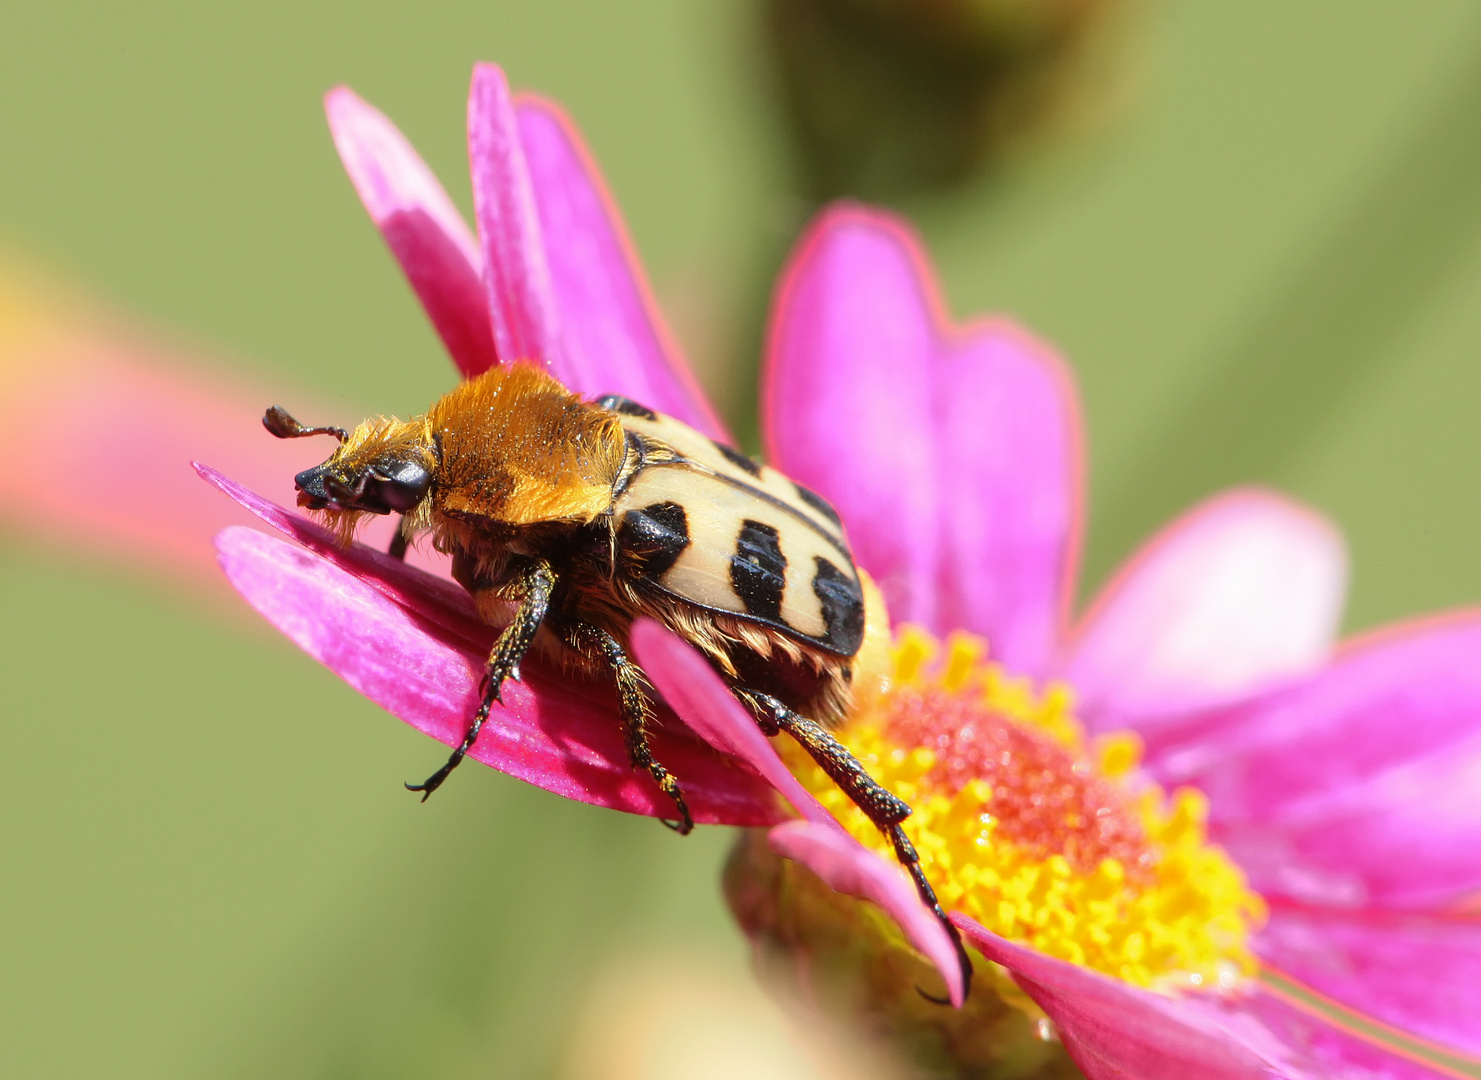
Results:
<point x="1036" y="834"/>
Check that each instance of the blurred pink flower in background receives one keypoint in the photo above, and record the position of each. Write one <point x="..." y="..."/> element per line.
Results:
<point x="1344" y="785"/>
<point x="113" y="418"/>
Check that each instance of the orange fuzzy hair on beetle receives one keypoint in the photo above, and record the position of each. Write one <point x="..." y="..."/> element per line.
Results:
<point x="554" y="458"/>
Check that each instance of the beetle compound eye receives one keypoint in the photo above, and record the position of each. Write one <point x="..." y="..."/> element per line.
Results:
<point x="402" y="485"/>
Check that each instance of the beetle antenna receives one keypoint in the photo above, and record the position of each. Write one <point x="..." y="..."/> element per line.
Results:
<point x="277" y="421"/>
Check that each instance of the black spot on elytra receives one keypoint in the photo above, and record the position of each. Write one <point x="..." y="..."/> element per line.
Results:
<point x="626" y="407"/>
<point x="736" y="458"/>
<point x="818" y="503"/>
<point x="758" y="570"/>
<point x="650" y="540"/>
<point x="843" y="606"/>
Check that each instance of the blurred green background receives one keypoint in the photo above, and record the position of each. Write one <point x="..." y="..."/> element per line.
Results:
<point x="1266" y="266"/>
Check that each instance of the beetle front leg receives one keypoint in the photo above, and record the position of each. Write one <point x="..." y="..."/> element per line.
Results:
<point x="397" y="550"/>
<point x="535" y="587"/>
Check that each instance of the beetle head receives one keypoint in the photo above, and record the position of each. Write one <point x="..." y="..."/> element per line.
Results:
<point x="384" y="465"/>
<point x="377" y="486"/>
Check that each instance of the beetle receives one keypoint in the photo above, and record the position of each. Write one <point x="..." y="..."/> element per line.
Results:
<point x="567" y="519"/>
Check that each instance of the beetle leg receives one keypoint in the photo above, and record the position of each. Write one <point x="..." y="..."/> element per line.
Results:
<point x="397" y="550"/>
<point x="885" y="809"/>
<point x="632" y="691"/>
<point x="535" y="587"/>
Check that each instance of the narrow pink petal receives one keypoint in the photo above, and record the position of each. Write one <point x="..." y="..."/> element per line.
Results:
<point x="953" y="454"/>
<point x="553" y="732"/>
<point x="517" y="275"/>
<point x="421" y="225"/>
<point x="1115" y="1030"/>
<point x="848" y="403"/>
<point x="702" y="700"/>
<point x="1356" y="786"/>
<point x="613" y="339"/>
<point x="1417" y="974"/>
<point x="846" y="866"/>
<point x="1331" y="1051"/>
<point x="1009" y="469"/>
<point x="1243" y="590"/>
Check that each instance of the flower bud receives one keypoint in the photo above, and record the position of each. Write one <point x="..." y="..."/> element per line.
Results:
<point x="888" y="97"/>
<point x="847" y="959"/>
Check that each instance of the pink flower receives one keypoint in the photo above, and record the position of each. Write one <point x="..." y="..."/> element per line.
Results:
<point x="119" y="416"/>
<point x="120" y="412"/>
<point x="1343" y="783"/>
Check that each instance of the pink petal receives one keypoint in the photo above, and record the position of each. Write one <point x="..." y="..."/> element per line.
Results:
<point x="415" y="669"/>
<point x="694" y="691"/>
<point x="1355" y="786"/>
<point x="848" y="867"/>
<point x="422" y="663"/>
<point x="1241" y="591"/>
<point x="613" y="339"/>
<point x="1010" y="466"/>
<point x="1113" y="1029"/>
<point x="847" y="398"/>
<point x="421" y="225"/>
<point x="952" y="454"/>
<point x="520" y="301"/>
<point x="1420" y="975"/>
<point x="1331" y="1051"/>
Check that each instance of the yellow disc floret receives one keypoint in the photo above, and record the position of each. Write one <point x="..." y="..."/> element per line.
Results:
<point x="1040" y="835"/>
